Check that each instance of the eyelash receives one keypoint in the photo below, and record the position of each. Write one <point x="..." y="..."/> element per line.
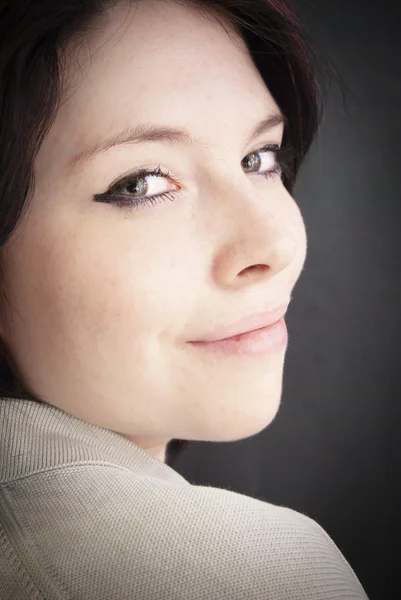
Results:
<point x="282" y="167"/>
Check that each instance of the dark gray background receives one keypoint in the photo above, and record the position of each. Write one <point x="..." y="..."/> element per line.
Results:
<point x="333" y="451"/>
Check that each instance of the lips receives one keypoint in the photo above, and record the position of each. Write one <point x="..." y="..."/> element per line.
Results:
<point x="245" y="325"/>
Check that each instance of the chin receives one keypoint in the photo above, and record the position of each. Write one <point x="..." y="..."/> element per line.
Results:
<point x="242" y="424"/>
<point x="244" y="430"/>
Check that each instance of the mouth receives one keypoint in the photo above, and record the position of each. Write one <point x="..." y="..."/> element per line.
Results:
<point x="245" y="325"/>
<point x="259" y="335"/>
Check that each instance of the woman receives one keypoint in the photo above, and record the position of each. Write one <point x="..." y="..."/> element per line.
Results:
<point x="148" y="151"/>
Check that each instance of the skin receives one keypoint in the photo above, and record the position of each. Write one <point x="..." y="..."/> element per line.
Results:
<point x="104" y="299"/>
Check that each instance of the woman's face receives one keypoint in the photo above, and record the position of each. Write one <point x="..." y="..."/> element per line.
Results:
<point x="105" y="298"/>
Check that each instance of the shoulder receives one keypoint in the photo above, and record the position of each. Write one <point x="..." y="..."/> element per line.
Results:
<point x="99" y="531"/>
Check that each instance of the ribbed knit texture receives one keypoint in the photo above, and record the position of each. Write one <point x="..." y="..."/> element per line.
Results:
<point x="86" y="514"/>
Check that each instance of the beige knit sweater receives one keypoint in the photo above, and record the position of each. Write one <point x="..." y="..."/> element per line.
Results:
<point x="87" y="515"/>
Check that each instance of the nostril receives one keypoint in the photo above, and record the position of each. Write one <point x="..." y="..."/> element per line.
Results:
<point x="254" y="270"/>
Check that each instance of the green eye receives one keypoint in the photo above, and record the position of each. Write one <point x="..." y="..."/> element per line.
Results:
<point x="252" y="162"/>
<point x="264" y="162"/>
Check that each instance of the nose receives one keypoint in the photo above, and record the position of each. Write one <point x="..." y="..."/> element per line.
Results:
<point x="259" y="239"/>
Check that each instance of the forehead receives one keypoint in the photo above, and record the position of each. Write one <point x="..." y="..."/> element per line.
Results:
<point x="158" y="62"/>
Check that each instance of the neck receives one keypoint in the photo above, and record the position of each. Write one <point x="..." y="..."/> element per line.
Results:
<point x="155" y="447"/>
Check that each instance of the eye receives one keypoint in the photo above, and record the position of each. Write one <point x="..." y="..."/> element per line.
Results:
<point x="142" y="187"/>
<point x="266" y="161"/>
<point x="145" y="183"/>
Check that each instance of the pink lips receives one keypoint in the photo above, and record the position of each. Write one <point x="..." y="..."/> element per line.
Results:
<point x="245" y="325"/>
<point x="259" y="335"/>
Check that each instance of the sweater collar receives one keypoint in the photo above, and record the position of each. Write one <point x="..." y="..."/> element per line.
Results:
<point x="35" y="437"/>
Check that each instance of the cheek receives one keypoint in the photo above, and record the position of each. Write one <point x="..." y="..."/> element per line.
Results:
<point x="297" y="227"/>
<point x="92" y="286"/>
<point x="303" y="239"/>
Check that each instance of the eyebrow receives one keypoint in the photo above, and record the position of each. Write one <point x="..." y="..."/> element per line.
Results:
<point x="153" y="133"/>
